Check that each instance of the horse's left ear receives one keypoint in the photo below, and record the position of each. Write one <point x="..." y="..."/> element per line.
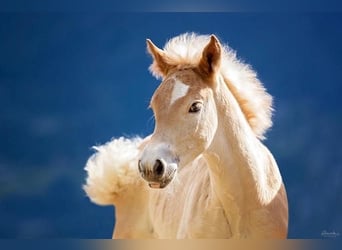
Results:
<point x="159" y="67"/>
<point x="211" y="57"/>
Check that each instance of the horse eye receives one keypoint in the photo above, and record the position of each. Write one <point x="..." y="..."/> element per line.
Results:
<point x="195" y="107"/>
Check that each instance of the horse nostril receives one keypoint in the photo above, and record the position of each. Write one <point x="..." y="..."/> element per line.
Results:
<point x="158" y="168"/>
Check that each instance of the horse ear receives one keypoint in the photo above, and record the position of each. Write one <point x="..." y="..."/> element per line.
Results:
<point x="211" y="57"/>
<point x="159" y="67"/>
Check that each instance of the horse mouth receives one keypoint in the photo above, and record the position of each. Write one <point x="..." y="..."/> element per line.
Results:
<point x="160" y="184"/>
<point x="156" y="185"/>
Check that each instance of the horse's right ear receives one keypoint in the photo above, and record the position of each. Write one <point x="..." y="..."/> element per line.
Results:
<point x="159" y="67"/>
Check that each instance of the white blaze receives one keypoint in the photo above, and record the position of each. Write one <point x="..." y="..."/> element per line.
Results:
<point x="179" y="90"/>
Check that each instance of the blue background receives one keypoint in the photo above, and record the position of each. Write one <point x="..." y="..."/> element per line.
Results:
<point x="69" y="81"/>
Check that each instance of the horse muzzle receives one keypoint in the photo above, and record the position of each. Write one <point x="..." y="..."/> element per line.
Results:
<point x="159" y="174"/>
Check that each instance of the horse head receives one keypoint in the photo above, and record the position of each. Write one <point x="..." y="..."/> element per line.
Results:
<point x="185" y="113"/>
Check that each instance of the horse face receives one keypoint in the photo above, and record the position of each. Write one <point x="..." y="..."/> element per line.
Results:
<point x="186" y="122"/>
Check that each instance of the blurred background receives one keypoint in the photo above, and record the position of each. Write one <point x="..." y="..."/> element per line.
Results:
<point x="69" y="81"/>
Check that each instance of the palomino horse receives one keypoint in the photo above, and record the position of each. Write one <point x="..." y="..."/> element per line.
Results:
<point x="205" y="172"/>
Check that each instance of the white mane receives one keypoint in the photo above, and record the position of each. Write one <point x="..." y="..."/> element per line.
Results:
<point x="241" y="79"/>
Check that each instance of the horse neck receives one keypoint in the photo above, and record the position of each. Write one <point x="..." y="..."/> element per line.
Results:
<point x="241" y="166"/>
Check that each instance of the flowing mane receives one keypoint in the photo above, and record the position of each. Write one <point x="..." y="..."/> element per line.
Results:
<point x="256" y="104"/>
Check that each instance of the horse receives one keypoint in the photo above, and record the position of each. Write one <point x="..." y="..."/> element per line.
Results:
<point x="204" y="171"/>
